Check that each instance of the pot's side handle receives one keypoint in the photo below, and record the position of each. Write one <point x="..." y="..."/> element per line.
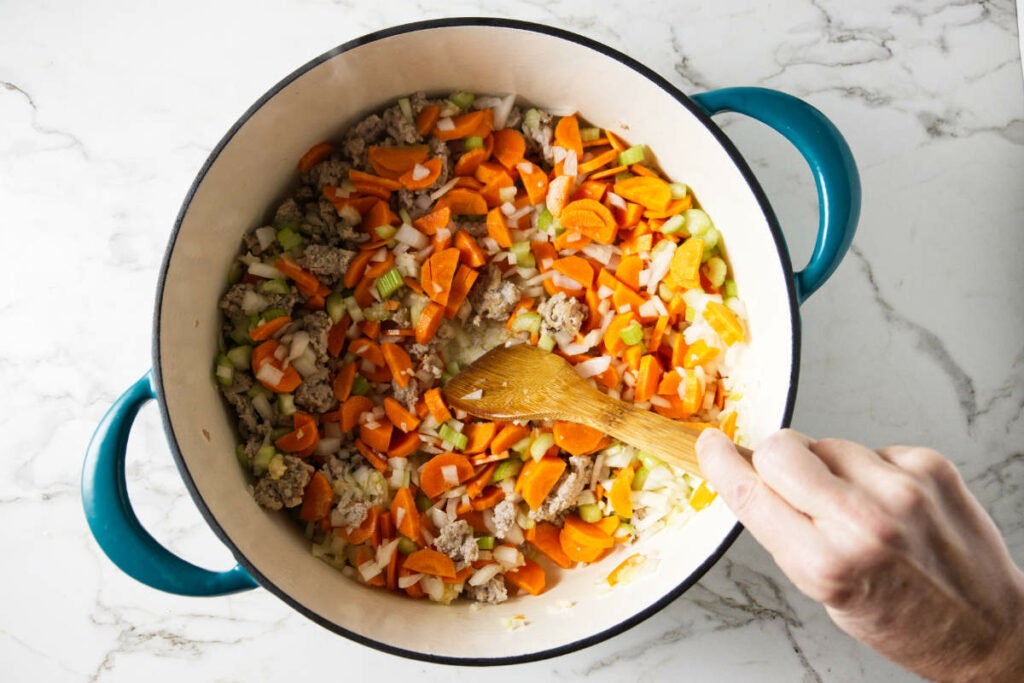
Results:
<point x="829" y="157"/>
<point x="114" y="524"/>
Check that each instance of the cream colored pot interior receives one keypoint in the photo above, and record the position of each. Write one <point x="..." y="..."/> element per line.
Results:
<point x="253" y="171"/>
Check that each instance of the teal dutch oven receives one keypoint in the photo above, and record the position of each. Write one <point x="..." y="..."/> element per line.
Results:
<point x="252" y="167"/>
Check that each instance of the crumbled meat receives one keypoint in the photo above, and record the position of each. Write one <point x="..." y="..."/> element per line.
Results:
<point x="253" y="246"/>
<point x="330" y="171"/>
<point x="315" y="398"/>
<point x="515" y="118"/>
<point x="407" y="395"/>
<point x="327" y="263"/>
<point x="562" y="315"/>
<point x="538" y="140"/>
<point x="493" y="592"/>
<point x="415" y="203"/>
<point x="440" y="150"/>
<point x="286" y="490"/>
<point x="248" y="418"/>
<point x="504" y="517"/>
<point x="456" y="541"/>
<point x="317" y="324"/>
<point x="419" y="101"/>
<point x="360" y="137"/>
<point x="475" y="227"/>
<point x="348" y="471"/>
<point x="566" y="491"/>
<point x="492" y="297"/>
<point x="400" y="128"/>
<point x="288" y="215"/>
<point x="231" y="302"/>
<point x="352" y="515"/>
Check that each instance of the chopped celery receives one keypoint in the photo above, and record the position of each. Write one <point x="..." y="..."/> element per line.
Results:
<point x="625" y="529"/>
<point x="275" y="287"/>
<point x="522" y="446"/>
<point x="622" y="175"/>
<point x="385" y="232"/>
<point x="523" y="254"/>
<point x="262" y="460"/>
<point x="360" y="385"/>
<point x="404" y="215"/>
<point x="406" y="107"/>
<point x="485" y="542"/>
<point x="678" y="190"/>
<point x="531" y="119"/>
<point x="546" y="342"/>
<point x="240" y="356"/>
<point x="289" y="239"/>
<point x="354" y="311"/>
<point x="406" y="545"/>
<point x="589" y="513"/>
<point x="462" y="100"/>
<point x="633" y="155"/>
<point x="716" y="271"/>
<point x="711" y="238"/>
<point x="649" y="461"/>
<point x="589" y="134"/>
<point x="640" y="477"/>
<point x="731" y="289"/>
<point x="697" y="222"/>
<point x="335" y="305"/>
<point x="271" y="314"/>
<point x="234" y="272"/>
<point x="473" y="142"/>
<point x="707" y="254"/>
<point x="691" y="314"/>
<point x="243" y="458"/>
<point x="377" y="312"/>
<point x="286" y="404"/>
<point x="662" y="247"/>
<point x="541" y="445"/>
<point x="452" y="436"/>
<point x="258" y="389"/>
<point x="633" y="334"/>
<point x="277" y="433"/>
<point x="390" y="282"/>
<point x="506" y="469"/>
<point x="544" y="219"/>
<point x="423" y="503"/>
<point x="527" y="321"/>
<point x="225" y="371"/>
<point x="673" y="225"/>
<point x="453" y="367"/>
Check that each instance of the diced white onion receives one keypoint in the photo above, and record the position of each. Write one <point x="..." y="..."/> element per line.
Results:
<point x="268" y="374"/>
<point x="300" y="342"/>
<point x="659" y="267"/>
<point x="508" y="556"/>
<point x="409" y="235"/>
<point x="660" y="402"/>
<point x="260" y="269"/>
<point x="508" y="208"/>
<point x="369" y="570"/>
<point x="502" y="109"/>
<point x="253" y="303"/>
<point x="565" y="282"/>
<point x="648" y="309"/>
<point x="558" y="153"/>
<point x="380" y="255"/>
<point x="484" y="574"/>
<point x="262" y="404"/>
<point x="419" y="172"/>
<point x="407" y="581"/>
<point x="599" y="252"/>
<point x="432" y="586"/>
<point x="450" y="474"/>
<point x="525" y="167"/>
<point x="327" y="445"/>
<point x="266" y="236"/>
<point x="570" y="165"/>
<point x="445" y="123"/>
<point x="514" y="535"/>
<point x="594" y="366"/>
<point x="616" y="201"/>
<point x="443" y="190"/>
<point x="385" y="551"/>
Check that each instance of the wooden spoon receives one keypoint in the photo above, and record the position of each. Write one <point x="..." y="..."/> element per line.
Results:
<point x="523" y="382"/>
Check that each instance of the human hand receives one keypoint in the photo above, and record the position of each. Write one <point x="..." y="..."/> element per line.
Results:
<point x="903" y="557"/>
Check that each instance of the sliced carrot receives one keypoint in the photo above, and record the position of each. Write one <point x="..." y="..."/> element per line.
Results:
<point x="545" y="539"/>
<point x="535" y="181"/>
<point x="267" y="329"/>
<point x="577" y="552"/>
<point x="429" y="322"/>
<point x="509" y="147"/>
<point x="432" y="479"/>
<point x="491" y="496"/>
<point x="685" y="266"/>
<point x="363" y="532"/>
<point x="488" y="458"/>
<point x="692" y="395"/>
<point x="356" y="268"/>
<point x="433" y="168"/>
<point x="598" y="161"/>
<point x="378" y="268"/>
<point x="462" y="201"/>
<point x="342" y="384"/>
<point x="729" y="426"/>
<point x="669" y="383"/>
<point x="632" y="356"/>
<point x="463" y="126"/>
<point x="427" y="561"/>
<point x="393" y="162"/>
<point x="436" y="405"/>
<point x="611" y="523"/>
<point x="468" y="162"/>
<point x="336" y="336"/>
<point x="376" y="437"/>
<point x="724" y="322"/>
<point x="437" y="273"/>
<point x="378" y="215"/>
<point x="368" y="350"/>
<point x="434" y="221"/>
<point x="699" y="353"/>
<point x="525" y="304"/>
<point x="398" y="362"/>
<point x="264" y="355"/>
<point x="613" y="343"/>
<point x="498" y="229"/>
<point x="461" y="284"/>
<point x="372" y="456"/>
<point x="608" y="172"/>
<point x="351" y="409"/>
<point x="510" y="435"/>
<point x="471" y="253"/>
<point x="491" y="192"/>
<point x="359" y="178"/>
<point x="576" y="438"/>
<point x="557" y="197"/>
<point x="304" y="280"/>
<point x="620" y="495"/>
<point x="537" y="478"/>
<point x="647" y="379"/>
<point x="675" y="207"/>
<point x="658" y="333"/>
<point x="479" y="436"/>
<point x="585" y="533"/>
<point x="409" y="524"/>
<point x="303" y="436"/>
<point x="576" y="268"/>
<point x="629" y="270"/>
<point x="315" y="155"/>
<point x="530" y="577"/>
<point x="591" y="218"/>
<point x="427" y="117"/>
<point x="460" y="576"/>
<point x="567" y="135"/>
<point x="404" y="445"/>
<point x="399" y="416"/>
<point x="590" y="189"/>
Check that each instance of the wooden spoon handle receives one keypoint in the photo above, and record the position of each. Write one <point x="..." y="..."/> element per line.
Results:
<point x="671" y="440"/>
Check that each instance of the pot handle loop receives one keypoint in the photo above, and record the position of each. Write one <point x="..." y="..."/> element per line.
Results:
<point x="831" y="162"/>
<point x="114" y="524"/>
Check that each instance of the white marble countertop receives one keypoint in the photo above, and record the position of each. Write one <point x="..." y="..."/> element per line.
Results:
<point x="108" y="109"/>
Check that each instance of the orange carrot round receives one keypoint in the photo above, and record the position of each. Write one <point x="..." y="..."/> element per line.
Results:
<point x="432" y="479"/>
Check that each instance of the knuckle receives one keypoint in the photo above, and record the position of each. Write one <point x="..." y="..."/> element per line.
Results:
<point x="828" y="578"/>
<point x="830" y="445"/>
<point x="904" y="496"/>
<point x="930" y="464"/>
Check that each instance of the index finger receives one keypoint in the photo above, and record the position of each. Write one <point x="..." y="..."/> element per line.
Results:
<point x="784" y="531"/>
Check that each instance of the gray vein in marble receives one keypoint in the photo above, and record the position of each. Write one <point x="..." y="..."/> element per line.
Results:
<point x="73" y="141"/>
<point x="927" y="341"/>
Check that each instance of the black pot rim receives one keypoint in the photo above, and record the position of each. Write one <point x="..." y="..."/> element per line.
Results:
<point x="748" y="176"/>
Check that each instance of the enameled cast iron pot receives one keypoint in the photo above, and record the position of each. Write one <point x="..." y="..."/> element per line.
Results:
<point x="252" y="167"/>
